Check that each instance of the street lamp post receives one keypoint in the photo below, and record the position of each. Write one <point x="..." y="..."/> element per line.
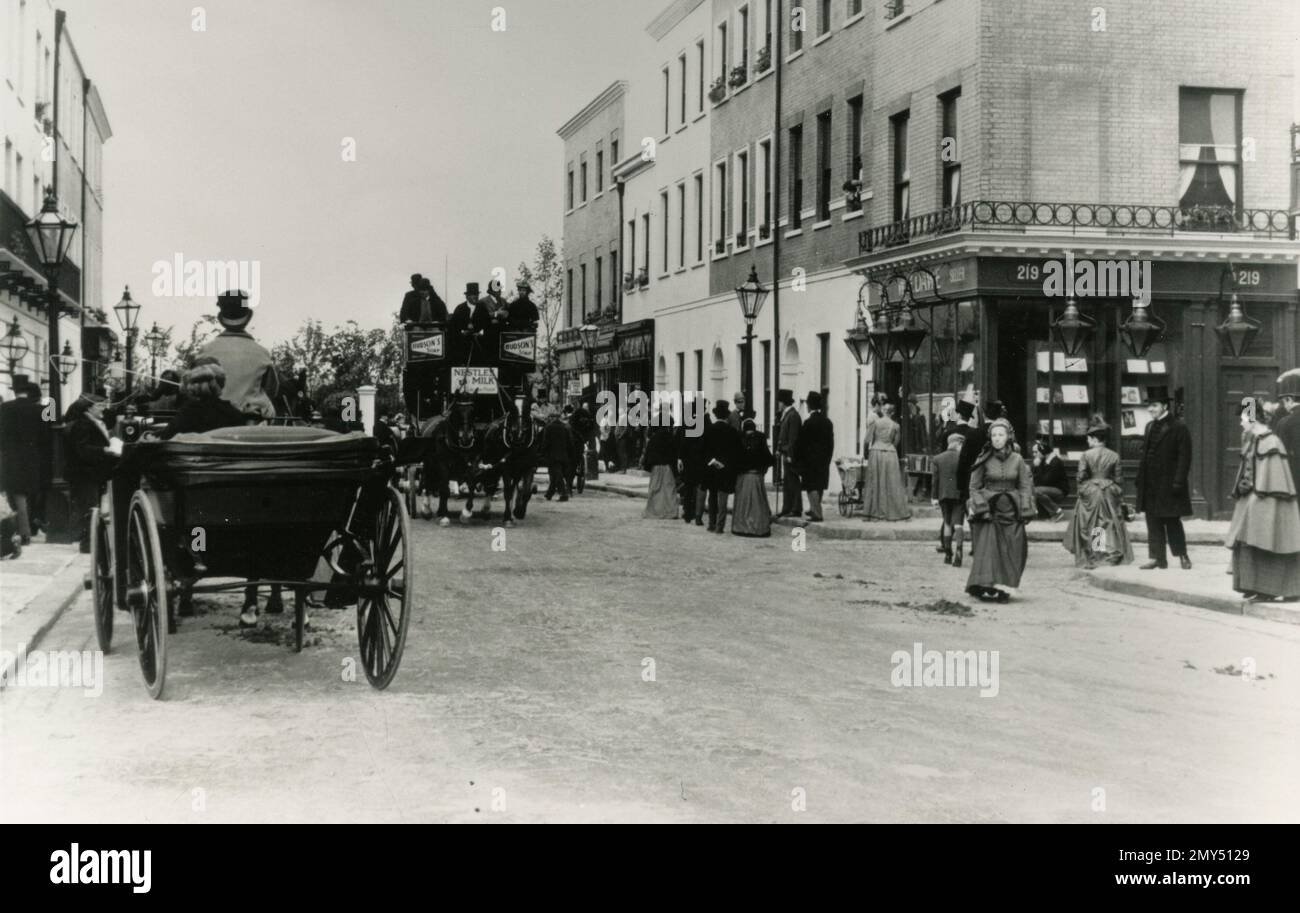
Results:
<point x="65" y="363"/>
<point x="14" y="347"/>
<point x="587" y="335"/>
<point x="127" y="311"/>
<point x="156" y="342"/>
<point x="751" y="296"/>
<point x="51" y="236"/>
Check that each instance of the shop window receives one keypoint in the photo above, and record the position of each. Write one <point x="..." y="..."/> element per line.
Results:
<point x="949" y="159"/>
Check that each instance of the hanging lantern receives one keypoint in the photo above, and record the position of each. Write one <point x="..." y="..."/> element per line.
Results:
<point x="50" y="234"/>
<point x="880" y="339"/>
<point x="13" y="346"/>
<point x="65" y="363"/>
<point x="908" y="336"/>
<point x="1074" y="330"/>
<point x="858" y="340"/>
<point x="1141" y="330"/>
<point x="1238" y="330"/>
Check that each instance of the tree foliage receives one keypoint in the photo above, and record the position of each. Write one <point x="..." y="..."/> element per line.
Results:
<point x="546" y="276"/>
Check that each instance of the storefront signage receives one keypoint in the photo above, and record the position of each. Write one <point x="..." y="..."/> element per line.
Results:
<point x="519" y="347"/>
<point x="474" y="380"/>
<point x="424" y="345"/>
<point x="946" y="280"/>
<point x="634" y="347"/>
<point x="1169" y="278"/>
<point x="604" y="359"/>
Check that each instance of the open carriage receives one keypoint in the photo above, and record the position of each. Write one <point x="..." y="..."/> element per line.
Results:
<point x="263" y="504"/>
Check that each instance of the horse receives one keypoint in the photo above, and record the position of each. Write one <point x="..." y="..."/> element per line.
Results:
<point x="513" y="446"/>
<point x="457" y="453"/>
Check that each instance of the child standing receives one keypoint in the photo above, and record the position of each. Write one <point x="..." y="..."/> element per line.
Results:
<point x="947" y="495"/>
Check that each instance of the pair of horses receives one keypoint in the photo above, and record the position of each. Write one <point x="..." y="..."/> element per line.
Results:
<point x="503" y="453"/>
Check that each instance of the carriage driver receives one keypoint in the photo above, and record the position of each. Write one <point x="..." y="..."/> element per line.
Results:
<point x="251" y="382"/>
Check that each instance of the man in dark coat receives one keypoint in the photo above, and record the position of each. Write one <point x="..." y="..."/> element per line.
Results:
<point x="1162" y="491"/>
<point x="422" y="304"/>
<point x="89" y="458"/>
<point x="721" y="454"/>
<point x="813" y="452"/>
<point x="977" y="436"/>
<point x="1287" y="426"/>
<point x="786" y="438"/>
<point x="470" y="318"/>
<point x="691" y="470"/>
<point x="523" y="314"/>
<point x="557" y="452"/>
<point x="25" y="457"/>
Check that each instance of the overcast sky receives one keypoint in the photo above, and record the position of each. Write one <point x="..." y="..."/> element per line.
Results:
<point x="228" y="142"/>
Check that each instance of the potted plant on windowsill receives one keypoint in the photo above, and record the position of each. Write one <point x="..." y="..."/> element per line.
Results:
<point x="739" y="75"/>
<point x="642" y="277"/>
<point x="853" y="194"/>
<point x="763" y="59"/>
<point x="763" y="231"/>
<point x="720" y="246"/>
<point x="611" y="312"/>
<point x="628" y="283"/>
<point x="718" y="90"/>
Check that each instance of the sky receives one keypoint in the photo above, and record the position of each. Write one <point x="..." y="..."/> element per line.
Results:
<point x="228" y="143"/>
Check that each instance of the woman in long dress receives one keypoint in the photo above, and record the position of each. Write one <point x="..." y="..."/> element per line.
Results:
<point x="752" y="515"/>
<point x="1097" y="532"/>
<point x="884" y="493"/>
<point x="1001" y="500"/>
<point x="1265" y="531"/>
<point x="660" y="460"/>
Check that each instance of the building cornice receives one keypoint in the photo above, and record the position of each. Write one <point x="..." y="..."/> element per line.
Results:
<point x="1188" y="247"/>
<point x="671" y="17"/>
<point x="614" y="92"/>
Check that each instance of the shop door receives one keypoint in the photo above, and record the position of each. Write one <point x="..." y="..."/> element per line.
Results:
<point x="1234" y="384"/>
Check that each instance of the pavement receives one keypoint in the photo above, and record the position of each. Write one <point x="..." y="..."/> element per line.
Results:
<point x="35" y="589"/>
<point x="1207" y="586"/>
<point x="589" y="665"/>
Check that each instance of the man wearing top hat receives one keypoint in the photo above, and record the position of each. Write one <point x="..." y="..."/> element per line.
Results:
<point x="787" y="436"/>
<point x="469" y="319"/>
<point x="25" y="456"/>
<point x="251" y="381"/>
<point x="1162" y="492"/>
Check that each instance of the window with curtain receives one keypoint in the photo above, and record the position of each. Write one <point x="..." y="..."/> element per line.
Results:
<point x="854" y="163"/>
<point x="796" y="176"/>
<point x="1209" y="143"/>
<point x="902" y="175"/>
<point x="823" y="166"/>
<point x="949" y="159"/>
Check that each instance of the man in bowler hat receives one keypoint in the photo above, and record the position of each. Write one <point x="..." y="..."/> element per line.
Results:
<point x="1162" y="491"/>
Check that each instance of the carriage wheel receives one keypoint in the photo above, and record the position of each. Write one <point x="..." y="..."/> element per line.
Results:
<point x="845" y="504"/>
<point x="146" y="593"/>
<point x="299" y="618"/>
<point x="101" y="563"/>
<point x="384" y="606"/>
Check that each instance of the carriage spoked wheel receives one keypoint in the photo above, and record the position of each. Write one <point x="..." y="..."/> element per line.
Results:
<point x="101" y="563"/>
<point x="386" y="587"/>
<point x="845" y="504"/>
<point x="146" y="592"/>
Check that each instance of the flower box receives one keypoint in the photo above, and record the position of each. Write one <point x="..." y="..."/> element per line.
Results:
<point x="739" y="76"/>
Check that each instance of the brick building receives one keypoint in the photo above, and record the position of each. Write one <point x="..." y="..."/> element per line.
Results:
<point x="1110" y="135"/>
<point x="592" y="293"/>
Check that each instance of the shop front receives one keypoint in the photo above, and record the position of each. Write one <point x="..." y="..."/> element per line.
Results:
<point x="989" y="336"/>
<point x="616" y="354"/>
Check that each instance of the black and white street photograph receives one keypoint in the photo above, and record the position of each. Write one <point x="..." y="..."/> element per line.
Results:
<point x="651" y="412"/>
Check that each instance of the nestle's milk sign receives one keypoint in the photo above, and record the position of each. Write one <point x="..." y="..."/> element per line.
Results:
<point x="474" y="380"/>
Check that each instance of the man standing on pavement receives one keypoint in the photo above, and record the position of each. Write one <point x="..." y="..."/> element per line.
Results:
<point x="557" y="450"/>
<point x="786" y="437"/>
<point x="721" y="453"/>
<point x="1162" y="492"/>
<point x="25" y="457"/>
<point x="814" y="449"/>
<point x="1288" y="425"/>
<point x="251" y="381"/>
<point x="737" y="415"/>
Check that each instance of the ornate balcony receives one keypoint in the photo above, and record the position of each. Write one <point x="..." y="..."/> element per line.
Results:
<point x="1118" y="219"/>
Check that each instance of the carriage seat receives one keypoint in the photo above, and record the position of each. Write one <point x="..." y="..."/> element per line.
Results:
<point x="257" y="452"/>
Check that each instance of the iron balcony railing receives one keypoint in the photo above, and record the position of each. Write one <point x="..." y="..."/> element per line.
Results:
<point x="985" y="215"/>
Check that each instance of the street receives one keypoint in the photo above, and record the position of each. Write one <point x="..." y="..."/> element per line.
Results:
<point x="606" y="668"/>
